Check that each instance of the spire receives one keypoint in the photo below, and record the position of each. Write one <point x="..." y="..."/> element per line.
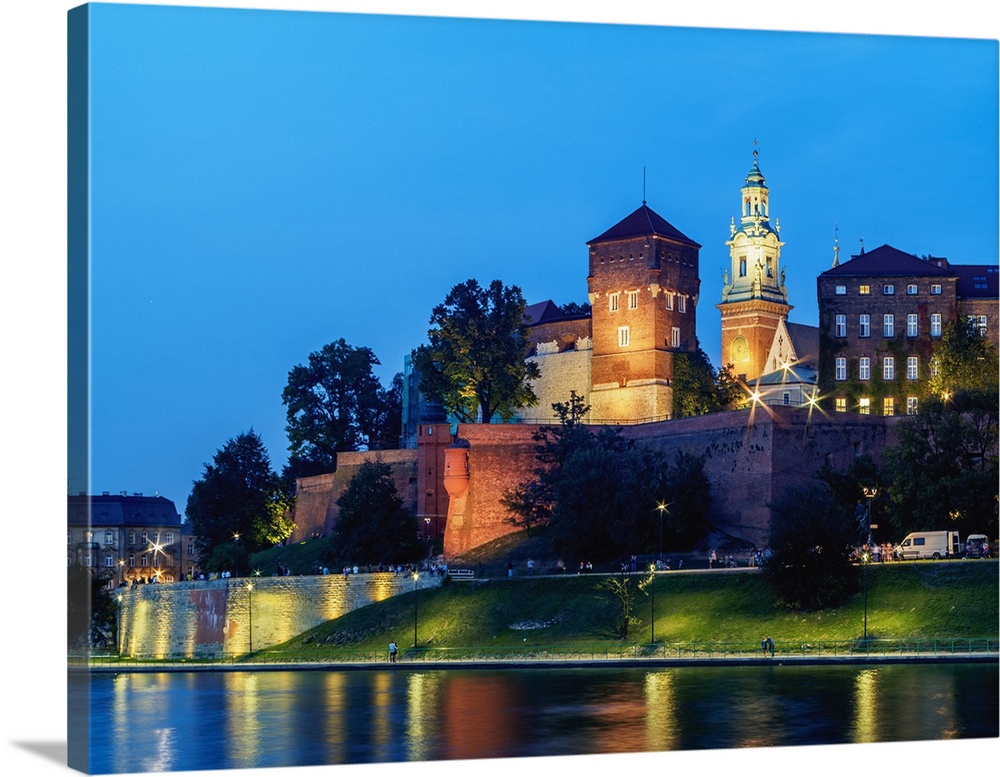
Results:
<point x="836" y="246"/>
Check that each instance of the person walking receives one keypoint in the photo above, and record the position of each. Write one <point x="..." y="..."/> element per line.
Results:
<point x="392" y="652"/>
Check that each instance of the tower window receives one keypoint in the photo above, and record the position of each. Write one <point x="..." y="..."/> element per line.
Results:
<point x="743" y="267"/>
<point x="613" y="302"/>
<point x="623" y="337"/>
<point x="675" y="336"/>
<point x="670" y="300"/>
<point x="633" y="300"/>
<point x="682" y="303"/>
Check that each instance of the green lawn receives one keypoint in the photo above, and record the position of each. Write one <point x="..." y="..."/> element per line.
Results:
<point x="905" y="600"/>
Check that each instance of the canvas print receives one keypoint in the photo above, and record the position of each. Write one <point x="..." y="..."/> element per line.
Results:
<point x="452" y="389"/>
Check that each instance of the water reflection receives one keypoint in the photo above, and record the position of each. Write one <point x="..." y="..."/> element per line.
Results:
<point x="164" y="722"/>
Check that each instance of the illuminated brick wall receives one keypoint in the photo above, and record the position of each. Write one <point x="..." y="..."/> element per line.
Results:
<point x="212" y="618"/>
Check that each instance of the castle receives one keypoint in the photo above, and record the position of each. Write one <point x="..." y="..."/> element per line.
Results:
<point x="643" y="286"/>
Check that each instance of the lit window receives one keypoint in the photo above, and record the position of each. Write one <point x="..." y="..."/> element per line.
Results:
<point x="911" y="288"/>
<point x="633" y="300"/>
<point x="841" y="368"/>
<point x="841" y="404"/>
<point x="888" y="325"/>
<point x="889" y="406"/>
<point x="911" y="368"/>
<point x="864" y="325"/>
<point x="682" y="303"/>
<point x="935" y="288"/>
<point x="613" y="302"/>
<point x="864" y="406"/>
<point x="864" y="289"/>
<point x="675" y="336"/>
<point x="911" y="325"/>
<point x="979" y="322"/>
<point x="670" y="300"/>
<point x="623" y="337"/>
<point x="888" y="289"/>
<point x="840" y="290"/>
<point x="889" y="368"/>
<point x="934" y="368"/>
<point x="911" y="405"/>
<point x="841" y="326"/>
<point x="864" y="368"/>
<point x="935" y="324"/>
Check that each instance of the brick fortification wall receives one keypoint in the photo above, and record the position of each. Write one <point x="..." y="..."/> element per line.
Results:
<point x="212" y="617"/>
<point x="748" y="464"/>
<point x="316" y="497"/>
<point x="561" y="373"/>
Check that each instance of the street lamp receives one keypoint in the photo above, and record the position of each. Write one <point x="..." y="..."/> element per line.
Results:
<point x="118" y="634"/>
<point x="652" y="604"/>
<point x="427" y="527"/>
<point x="662" y="507"/>
<point x="870" y="493"/>
<point x="236" y="537"/>
<point x="250" y="609"/>
<point x="416" y="577"/>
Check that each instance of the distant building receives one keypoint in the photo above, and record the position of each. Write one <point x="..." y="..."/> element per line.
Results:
<point x="129" y="537"/>
<point x="882" y="314"/>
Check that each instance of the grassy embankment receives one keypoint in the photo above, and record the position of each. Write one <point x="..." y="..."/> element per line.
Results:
<point x="905" y="601"/>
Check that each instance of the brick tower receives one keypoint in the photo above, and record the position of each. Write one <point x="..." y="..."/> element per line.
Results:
<point x="643" y="289"/>
<point x="754" y="299"/>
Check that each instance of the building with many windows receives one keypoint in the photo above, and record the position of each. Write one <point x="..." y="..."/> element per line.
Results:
<point x="129" y="538"/>
<point x="881" y="316"/>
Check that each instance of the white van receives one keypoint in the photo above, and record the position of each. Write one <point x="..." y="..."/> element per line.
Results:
<point x="929" y="544"/>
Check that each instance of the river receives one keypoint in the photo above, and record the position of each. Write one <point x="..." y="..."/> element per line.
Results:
<point x="218" y="720"/>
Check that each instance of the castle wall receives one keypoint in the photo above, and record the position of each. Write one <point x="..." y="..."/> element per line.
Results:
<point x="561" y="373"/>
<point x="209" y="618"/>
<point x="316" y="509"/>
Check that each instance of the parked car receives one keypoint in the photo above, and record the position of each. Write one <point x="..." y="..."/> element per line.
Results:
<point x="977" y="546"/>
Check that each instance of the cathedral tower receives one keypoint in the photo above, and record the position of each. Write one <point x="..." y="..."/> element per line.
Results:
<point x="754" y="299"/>
<point x="643" y="288"/>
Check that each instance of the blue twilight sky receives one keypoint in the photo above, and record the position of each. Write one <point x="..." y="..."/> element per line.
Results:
<point x="265" y="182"/>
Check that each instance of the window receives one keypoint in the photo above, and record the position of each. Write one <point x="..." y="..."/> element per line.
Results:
<point x="168" y="538"/>
<point x="786" y="398"/>
<point x="109" y="561"/>
<point x="864" y="368"/>
<point x="911" y="288"/>
<point x="743" y="267"/>
<point x="864" y="288"/>
<point x="888" y="289"/>
<point x="979" y="322"/>
<point x="131" y="538"/>
<point x="935" y="324"/>
<point x="841" y="404"/>
<point x="935" y="288"/>
<point x="911" y="405"/>
<point x="934" y="367"/>
<point x="143" y="560"/>
<point x="841" y="325"/>
<point x="841" y="368"/>
<point x="69" y="538"/>
<point x="864" y="406"/>
<point x="911" y="325"/>
<point x="109" y="538"/>
<point x="682" y="303"/>
<point x="633" y="300"/>
<point x="889" y="406"/>
<point x="145" y="538"/>
<point x="889" y="368"/>
<point x="864" y="325"/>
<point x="190" y="548"/>
<point x="911" y="368"/>
<point x="613" y="302"/>
<point x="840" y="290"/>
<point x="888" y="325"/>
<point x="88" y="559"/>
<point x="670" y="300"/>
<point x="623" y="337"/>
<point x="675" y="336"/>
<point x="131" y="560"/>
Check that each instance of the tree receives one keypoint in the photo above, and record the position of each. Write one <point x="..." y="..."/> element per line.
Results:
<point x="336" y="403"/>
<point x="90" y="610"/>
<point x="847" y="489"/>
<point x="698" y="388"/>
<point x="576" y="309"/>
<point x="475" y="363"/>
<point x="811" y="543"/>
<point x="623" y="591"/>
<point x="373" y="526"/>
<point x="240" y="494"/>
<point x="943" y="471"/>
<point x="965" y="360"/>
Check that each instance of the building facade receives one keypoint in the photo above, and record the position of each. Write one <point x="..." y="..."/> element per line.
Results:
<point x="129" y="538"/>
<point x="882" y="315"/>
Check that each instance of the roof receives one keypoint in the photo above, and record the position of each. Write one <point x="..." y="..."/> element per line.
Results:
<point x="805" y="340"/>
<point x="643" y="221"/>
<point x="884" y="261"/>
<point x="977" y="281"/>
<point x="546" y="312"/>
<point x="796" y="374"/>
<point x="122" y="510"/>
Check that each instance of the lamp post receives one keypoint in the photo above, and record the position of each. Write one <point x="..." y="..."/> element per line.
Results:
<point x="416" y="577"/>
<point x="427" y="527"/>
<point x="118" y="632"/>
<point x="236" y="554"/>
<point x="652" y="604"/>
<point x="250" y="610"/>
<point x="662" y="507"/>
<point x="870" y="493"/>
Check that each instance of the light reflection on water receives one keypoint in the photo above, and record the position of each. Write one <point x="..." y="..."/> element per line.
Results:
<point x="192" y="721"/>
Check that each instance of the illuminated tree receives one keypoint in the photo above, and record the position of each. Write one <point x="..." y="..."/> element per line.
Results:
<point x="475" y="363"/>
<point x="965" y="360"/>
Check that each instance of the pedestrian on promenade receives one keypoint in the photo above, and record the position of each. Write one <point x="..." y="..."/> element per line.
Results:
<point x="510" y="569"/>
<point x="768" y="646"/>
<point x="392" y="652"/>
